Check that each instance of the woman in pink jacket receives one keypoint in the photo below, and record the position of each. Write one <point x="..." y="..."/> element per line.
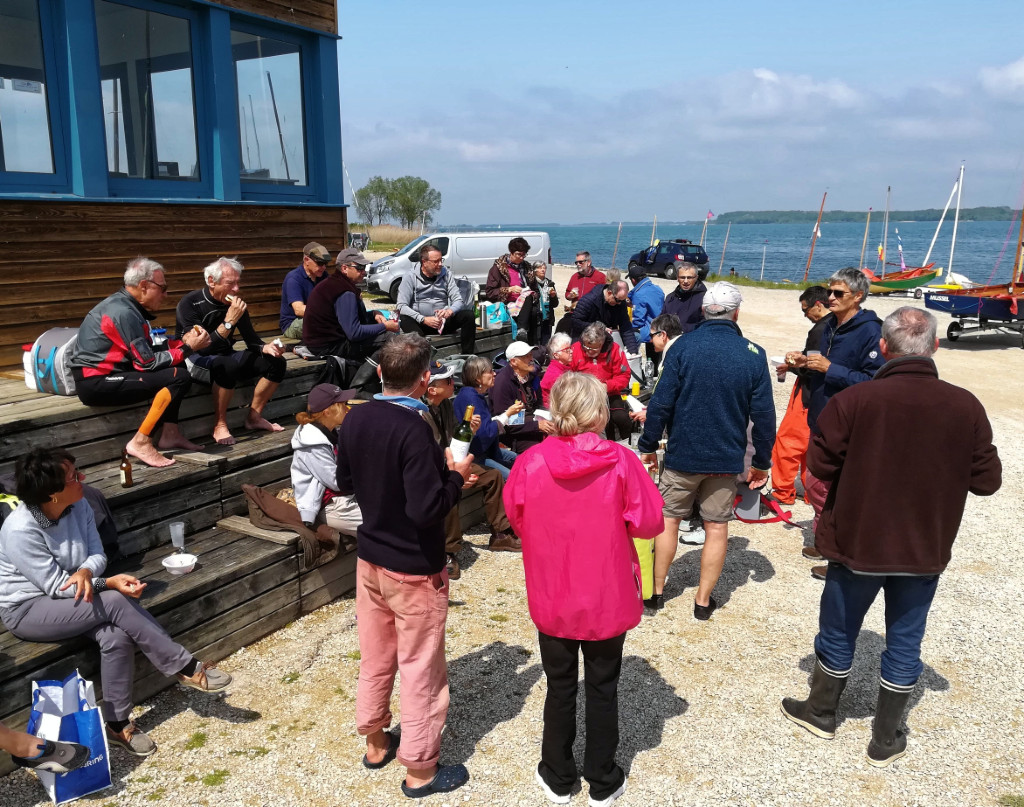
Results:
<point x="576" y="501"/>
<point x="597" y="354"/>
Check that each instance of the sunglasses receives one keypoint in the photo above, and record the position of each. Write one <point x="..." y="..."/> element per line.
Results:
<point x="580" y="263"/>
<point x="839" y="294"/>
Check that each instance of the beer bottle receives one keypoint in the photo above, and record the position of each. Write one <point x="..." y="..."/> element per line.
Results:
<point x="463" y="436"/>
<point x="126" y="469"/>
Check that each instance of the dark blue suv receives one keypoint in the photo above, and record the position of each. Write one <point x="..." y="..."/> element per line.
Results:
<point x="663" y="258"/>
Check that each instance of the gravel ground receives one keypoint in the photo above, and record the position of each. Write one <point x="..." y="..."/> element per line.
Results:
<point x="699" y="702"/>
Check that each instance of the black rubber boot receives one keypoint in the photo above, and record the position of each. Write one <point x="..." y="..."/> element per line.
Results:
<point x="817" y="714"/>
<point x="888" y="743"/>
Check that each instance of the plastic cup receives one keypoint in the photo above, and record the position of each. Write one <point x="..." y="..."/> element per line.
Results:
<point x="178" y="534"/>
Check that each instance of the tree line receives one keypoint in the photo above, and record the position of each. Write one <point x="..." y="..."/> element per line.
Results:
<point x="407" y="200"/>
<point x="1002" y="213"/>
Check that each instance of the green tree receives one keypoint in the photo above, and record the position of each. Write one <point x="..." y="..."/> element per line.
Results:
<point x="412" y="199"/>
<point x="373" y="200"/>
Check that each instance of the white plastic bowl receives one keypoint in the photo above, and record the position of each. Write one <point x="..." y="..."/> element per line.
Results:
<point x="181" y="563"/>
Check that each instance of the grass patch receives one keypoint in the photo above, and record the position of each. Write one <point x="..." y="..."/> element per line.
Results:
<point x="1010" y="800"/>
<point x="743" y="280"/>
<point x="290" y="678"/>
<point x="500" y="590"/>
<point x="196" y="741"/>
<point x="191" y="779"/>
<point x="217" y="778"/>
<point x="355" y="655"/>
<point x="258" y="751"/>
<point x="157" y="794"/>
<point x="143" y="780"/>
<point x="273" y="727"/>
<point x="498" y="618"/>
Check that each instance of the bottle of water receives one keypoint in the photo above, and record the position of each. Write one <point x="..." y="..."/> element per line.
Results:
<point x="159" y="336"/>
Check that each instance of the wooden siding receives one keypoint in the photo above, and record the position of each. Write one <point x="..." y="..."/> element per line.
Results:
<point x="58" y="259"/>
<point x="318" y="14"/>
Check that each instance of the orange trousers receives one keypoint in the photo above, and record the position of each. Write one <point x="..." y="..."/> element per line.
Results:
<point x="790" y="447"/>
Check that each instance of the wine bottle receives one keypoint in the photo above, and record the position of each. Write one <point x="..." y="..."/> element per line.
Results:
<point x="126" y="469"/>
<point x="463" y="436"/>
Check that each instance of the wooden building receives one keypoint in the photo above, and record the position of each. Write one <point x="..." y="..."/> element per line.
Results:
<point x="181" y="130"/>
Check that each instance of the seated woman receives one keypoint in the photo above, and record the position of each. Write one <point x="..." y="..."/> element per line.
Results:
<point x="477" y="380"/>
<point x="597" y="354"/>
<point x="582" y="577"/>
<point x="560" y="351"/>
<point x="315" y="462"/>
<point x="51" y="560"/>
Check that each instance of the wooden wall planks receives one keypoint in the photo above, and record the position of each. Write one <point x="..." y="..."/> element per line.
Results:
<point x="318" y="14"/>
<point x="59" y="258"/>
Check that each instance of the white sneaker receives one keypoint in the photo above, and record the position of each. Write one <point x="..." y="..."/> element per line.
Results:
<point x="551" y="794"/>
<point x="693" y="537"/>
<point x="595" y="803"/>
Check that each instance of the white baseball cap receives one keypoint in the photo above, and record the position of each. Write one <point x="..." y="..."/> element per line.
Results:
<point x="517" y="349"/>
<point x="722" y="294"/>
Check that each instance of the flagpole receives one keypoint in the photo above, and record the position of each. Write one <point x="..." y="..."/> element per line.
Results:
<point x="764" y="253"/>
<point x="616" y="250"/>
<point x="721" y="263"/>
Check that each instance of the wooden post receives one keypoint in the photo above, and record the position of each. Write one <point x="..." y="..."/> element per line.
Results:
<point x="721" y="263"/>
<point x="814" y="238"/>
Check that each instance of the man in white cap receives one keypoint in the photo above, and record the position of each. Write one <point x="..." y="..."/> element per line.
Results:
<point x="518" y="381"/>
<point x="714" y="382"/>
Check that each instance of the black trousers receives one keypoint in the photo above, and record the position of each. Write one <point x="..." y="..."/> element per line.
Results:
<point x="241" y="365"/>
<point x="528" y="321"/>
<point x="602" y="663"/>
<point x="462" y="320"/>
<point x="354" y="351"/>
<point x="135" y="387"/>
<point x="619" y="423"/>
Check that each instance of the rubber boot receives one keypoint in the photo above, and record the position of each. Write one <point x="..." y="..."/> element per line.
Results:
<point x="817" y="714"/>
<point x="888" y="743"/>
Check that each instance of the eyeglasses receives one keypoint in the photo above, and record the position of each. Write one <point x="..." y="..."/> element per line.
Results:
<point x="839" y="294"/>
<point x="590" y="349"/>
<point x="520" y="254"/>
<point x="161" y="286"/>
<point x="657" y="333"/>
<point x="355" y="266"/>
<point x="687" y="277"/>
<point x="74" y="475"/>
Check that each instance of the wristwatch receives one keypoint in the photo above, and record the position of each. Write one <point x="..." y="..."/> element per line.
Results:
<point x="228" y="325"/>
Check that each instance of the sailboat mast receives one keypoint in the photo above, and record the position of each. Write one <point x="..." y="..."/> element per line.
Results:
<point x="956" y="223"/>
<point x="615" y="251"/>
<point x="1018" y="267"/>
<point x="814" y="238"/>
<point x="721" y="263"/>
<point x="864" y="243"/>
<point x="654" y="229"/>
<point x="942" y="218"/>
<point x="885" y="229"/>
<point x="704" y="231"/>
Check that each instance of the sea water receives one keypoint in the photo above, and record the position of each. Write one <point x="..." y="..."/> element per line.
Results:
<point x="984" y="249"/>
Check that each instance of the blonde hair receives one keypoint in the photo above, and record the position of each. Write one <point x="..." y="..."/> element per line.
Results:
<point x="304" y="418"/>
<point x="579" y="403"/>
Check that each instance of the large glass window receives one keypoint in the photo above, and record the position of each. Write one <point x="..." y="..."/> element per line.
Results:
<point x="268" y="76"/>
<point x="148" y="98"/>
<point x="25" y="144"/>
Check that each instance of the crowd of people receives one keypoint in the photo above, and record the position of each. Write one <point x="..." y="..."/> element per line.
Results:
<point x="550" y="454"/>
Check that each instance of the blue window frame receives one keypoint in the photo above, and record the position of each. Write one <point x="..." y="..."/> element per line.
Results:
<point x="32" y="152"/>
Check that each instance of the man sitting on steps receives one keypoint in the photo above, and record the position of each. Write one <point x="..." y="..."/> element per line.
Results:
<point x="116" y="363"/>
<point x="217" y="308"/>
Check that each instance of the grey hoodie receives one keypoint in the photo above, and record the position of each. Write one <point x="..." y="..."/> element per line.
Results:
<point x="419" y="297"/>
<point x="314" y="469"/>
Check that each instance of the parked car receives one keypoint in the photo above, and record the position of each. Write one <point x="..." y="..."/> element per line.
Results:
<point x="663" y="258"/>
<point x="467" y="255"/>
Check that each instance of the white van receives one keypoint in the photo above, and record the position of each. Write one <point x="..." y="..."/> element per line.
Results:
<point x="467" y="255"/>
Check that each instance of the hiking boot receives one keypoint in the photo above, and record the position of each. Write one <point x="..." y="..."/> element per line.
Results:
<point x="819" y="572"/>
<point x="704" y="612"/>
<point x="504" y="542"/>
<point x="811" y="553"/>
<point x="782" y="498"/>
<point x="206" y="678"/>
<point x="817" y="714"/>
<point x="57" y="757"/>
<point x="454" y="570"/>
<point x="888" y="743"/>
<point x="132" y="740"/>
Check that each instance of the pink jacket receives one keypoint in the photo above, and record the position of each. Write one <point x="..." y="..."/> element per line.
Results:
<point x="555" y="369"/>
<point x="576" y="503"/>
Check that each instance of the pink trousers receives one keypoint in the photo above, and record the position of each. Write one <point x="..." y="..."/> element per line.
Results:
<point x="401" y="620"/>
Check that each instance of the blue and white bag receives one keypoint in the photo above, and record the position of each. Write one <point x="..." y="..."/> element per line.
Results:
<point x="48" y="362"/>
<point x="66" y="710"/>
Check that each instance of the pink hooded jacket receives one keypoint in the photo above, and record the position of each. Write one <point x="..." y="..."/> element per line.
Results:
<point x="576" y="503"/>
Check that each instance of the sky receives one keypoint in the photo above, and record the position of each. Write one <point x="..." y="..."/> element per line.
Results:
<point x="568" y="111"/>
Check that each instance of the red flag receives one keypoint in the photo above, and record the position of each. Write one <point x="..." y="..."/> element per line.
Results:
<point x="711" y="215"/>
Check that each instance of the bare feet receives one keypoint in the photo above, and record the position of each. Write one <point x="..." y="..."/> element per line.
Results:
<point x="171" y="437"/>
<point x="256" y="421"/>
<point x="222" y="435"/>
<point x="142" y="448"/>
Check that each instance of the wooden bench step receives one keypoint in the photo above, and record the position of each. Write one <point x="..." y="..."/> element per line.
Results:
<point x="244" y="526"/>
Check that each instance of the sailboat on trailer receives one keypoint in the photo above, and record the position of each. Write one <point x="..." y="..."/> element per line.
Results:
<point x="909" y="277"/>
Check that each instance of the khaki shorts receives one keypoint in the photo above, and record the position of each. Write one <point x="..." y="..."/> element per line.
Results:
<point x="715" y="494"/>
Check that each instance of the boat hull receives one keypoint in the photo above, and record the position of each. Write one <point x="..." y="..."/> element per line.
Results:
<point x="988" y="302"/>
<point x="884" y="286"/>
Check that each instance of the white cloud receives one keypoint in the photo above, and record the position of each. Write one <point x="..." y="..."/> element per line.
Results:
<point x="1007" y="80"/>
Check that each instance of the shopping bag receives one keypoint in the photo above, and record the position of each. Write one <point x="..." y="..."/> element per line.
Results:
<point x="645" y="552"/>
<point x="66" y="710"/>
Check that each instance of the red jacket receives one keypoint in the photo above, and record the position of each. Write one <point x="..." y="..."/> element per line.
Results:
<point x="584" y="284"/>
<point x="609" y="367"/>
<point x="902" y="452"/>
<point x="577" y="503"/>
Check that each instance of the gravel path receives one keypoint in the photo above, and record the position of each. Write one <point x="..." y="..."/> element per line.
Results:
<point x="699" y="702"/>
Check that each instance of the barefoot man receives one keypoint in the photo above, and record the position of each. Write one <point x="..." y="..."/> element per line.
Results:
<point x="218" y="309"/>
<point x="116" y="363"/>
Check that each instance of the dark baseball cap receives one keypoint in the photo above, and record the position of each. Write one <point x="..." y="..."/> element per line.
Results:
<point x="351" y="255"/>
<point x="636" y="271"/>
<point x="439" y="370"/>
<point x="318" y="252"/>
<point x="323" y="396"/>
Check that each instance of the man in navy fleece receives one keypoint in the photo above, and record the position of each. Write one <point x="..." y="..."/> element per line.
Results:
<point x="389" y="459"/>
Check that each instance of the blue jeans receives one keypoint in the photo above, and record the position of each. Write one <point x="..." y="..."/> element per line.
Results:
<point x="847" y="598"/>
<point x="504" y="465"/>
